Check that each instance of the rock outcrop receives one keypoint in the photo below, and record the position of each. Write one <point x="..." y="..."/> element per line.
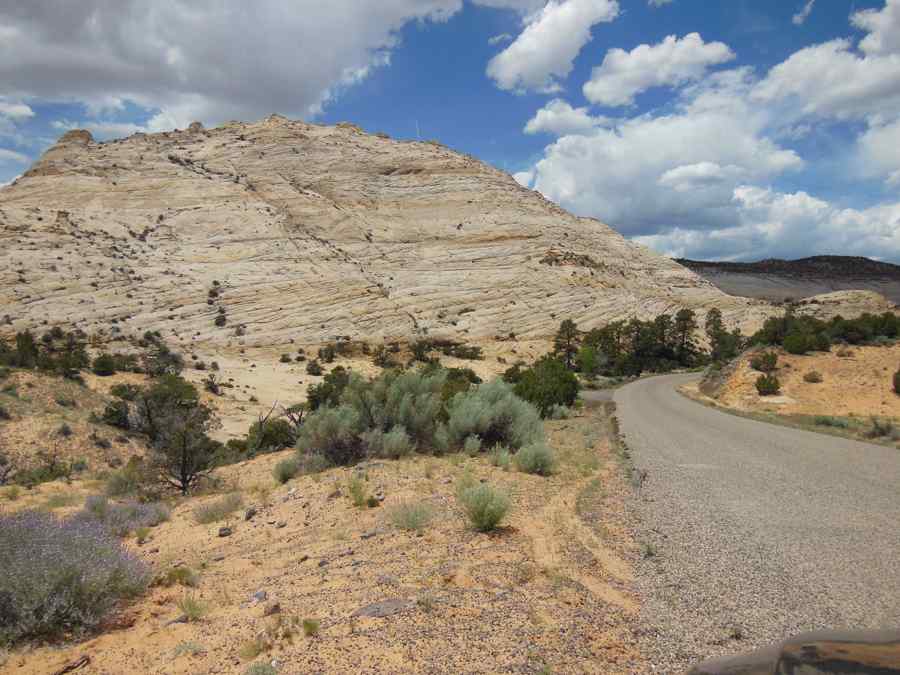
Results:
<point x="293" y="231"/>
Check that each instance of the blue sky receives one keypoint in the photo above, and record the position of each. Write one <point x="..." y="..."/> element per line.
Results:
<point x="738" y="129"/>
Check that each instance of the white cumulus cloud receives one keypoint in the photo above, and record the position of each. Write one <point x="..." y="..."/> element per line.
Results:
<point x="559" y="118"/>
<point x="800" y="17"/>
<point x="546" y="48"/>
<point x="672" y="62"/>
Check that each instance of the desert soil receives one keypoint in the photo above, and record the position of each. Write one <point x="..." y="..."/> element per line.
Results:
<point x="551" y="591"/>
<point x="856" y="385"/>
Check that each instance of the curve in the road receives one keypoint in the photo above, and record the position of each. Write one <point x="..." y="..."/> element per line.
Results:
<point x="758" y="531"/>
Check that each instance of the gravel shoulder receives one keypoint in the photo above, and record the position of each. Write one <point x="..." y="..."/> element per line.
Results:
<point x="753" y="532"/>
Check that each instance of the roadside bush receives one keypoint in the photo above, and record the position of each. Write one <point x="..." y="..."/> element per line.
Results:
<point x="813" y="377"/>
<point x="536" y="458"/>
<point x="218" y="509"/>
<point x="493" y="412"/>
<point x="61" y="577"/>
<point x="880" y="429"/>
<point x="484" y="506"/>
<point x="286" y="469"/>
<point x="547" y="384"/>
<point x="768" y="385"/>
<point x="828" y="421"/>
<point x="764" y="362"/>
<point x="104" y="365"/>
<point x="501" y="457"/>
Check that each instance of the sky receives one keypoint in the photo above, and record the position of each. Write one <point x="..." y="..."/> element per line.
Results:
<point x="732" y="130"/>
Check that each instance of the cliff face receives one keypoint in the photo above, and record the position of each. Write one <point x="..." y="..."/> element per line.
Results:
<point x="310" y="232"/>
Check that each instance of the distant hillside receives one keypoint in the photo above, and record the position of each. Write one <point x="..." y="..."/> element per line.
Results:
<point x="777" y="280"/>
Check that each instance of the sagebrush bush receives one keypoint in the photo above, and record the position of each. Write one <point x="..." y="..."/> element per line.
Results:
<point x="764" y="362"/>
<point x="768" y="385"/>
<point x="332" y="433"/>
<point x="536" y="458"/>
<point x="880" y="428"/>
<point x="559" y="412"/>
<point x="494" y="413"/>
<point x="394" y="444"/>
<point x="485" y="506"/>
<point x="472" y="445"/>
<point x="411" y="516"/>
<point x="828" y="421"/>
<point x="131" y="480"/>
<point x="501" y="457"/>
<point x="122" y="519"/>
<point x="270" y="436"/>
<point x="61" y="577"/>
<point x="286" y="469"/>
<point x="218" y="509"/>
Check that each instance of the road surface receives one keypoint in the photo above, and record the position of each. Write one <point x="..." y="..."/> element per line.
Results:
<point x="753" y="532"/>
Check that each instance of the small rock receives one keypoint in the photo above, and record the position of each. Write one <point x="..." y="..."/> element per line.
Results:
<point x="280" y="524"/>
<point x="335" y="494"/>
<point x="259" y="596"/>
<point x="323" y="563"/>
<point x="369" y="535"/>
<point x="304" y="558"/>
<point x="180" y="619"/>
<point x="249" y="513"/>
<point x="218" y="558"/>
<point x="225" y="531"/>
<point x="272" y="608"/>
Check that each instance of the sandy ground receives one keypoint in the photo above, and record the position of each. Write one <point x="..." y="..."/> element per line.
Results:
<point x="549" y="592"/>
<point x="855" y="385"/>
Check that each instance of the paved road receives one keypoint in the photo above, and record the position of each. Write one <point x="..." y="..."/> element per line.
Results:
<point x="760" y="531"/>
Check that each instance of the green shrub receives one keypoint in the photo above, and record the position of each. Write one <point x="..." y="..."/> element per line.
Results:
<point x="356" y="488"/>
<point x="180" y="575"/>
<point x="48" y="468"/>
<point x="828" y="421"/>
<point x="286" y="469"/>
<point x="261" y="669"/>
<point x="764" y="362"/>
<point x="880" y="428"/>
<point x="472" y="446"/>
<point x="559" y="412"/>
<point x="131" y="480"/>
<point x="126" y="392"/>
<point x="493" y="412"/>
<point x="333" y="433"/>
<point x="484" y="506"/>
<point x="313" y="368"/>
<point x="394" y="444"/>
<point x="218" y="509"/>
<point x="768" y="385"/>
<point x="116" y="414"/>
<point x="411" y="516"/>
<point x="536" y="458"/>
<point x="270" y="436"/>
<point x="547" y="384"/>
<point x="328" y="392"/>
<point x="191" y="608"/>
<point x="327" y="354"/>
<point x="501" y="457"/>
<point x="285" y="358"/>
<point x="104" y="365"/>
<point x="813" y="377"/>
<point x="799" y="343"/>
<point x="310" y="627"/>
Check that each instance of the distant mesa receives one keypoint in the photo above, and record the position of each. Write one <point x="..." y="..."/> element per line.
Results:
<point x="776" y="280"/>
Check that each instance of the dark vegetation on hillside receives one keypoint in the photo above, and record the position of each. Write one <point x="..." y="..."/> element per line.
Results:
<point x="827" y="266"/>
